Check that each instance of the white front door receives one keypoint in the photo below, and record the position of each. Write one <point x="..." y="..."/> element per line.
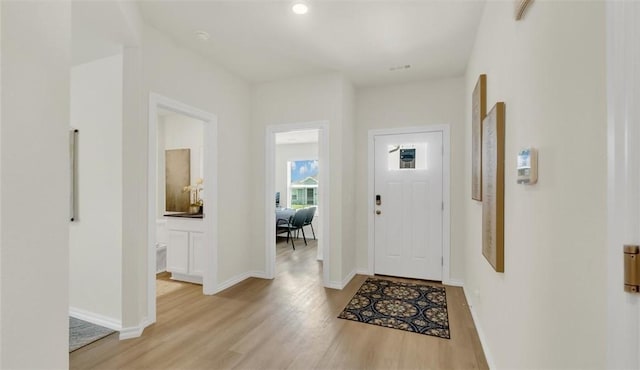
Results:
<point x="408" y="188"/>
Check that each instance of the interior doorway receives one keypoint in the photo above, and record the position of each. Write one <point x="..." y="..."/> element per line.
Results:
<point x="191" y="243"/>
<point x="297" y="187"/>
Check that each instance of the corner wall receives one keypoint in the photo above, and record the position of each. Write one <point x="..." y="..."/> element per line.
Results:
<point x="35" y="49"/>
<point x="95" y="238"/>
<point x="349" y="183"/>
<point x="547" y="309"/>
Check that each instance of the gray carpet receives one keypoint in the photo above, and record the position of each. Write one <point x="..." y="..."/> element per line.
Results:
<point x="82" y="333"/>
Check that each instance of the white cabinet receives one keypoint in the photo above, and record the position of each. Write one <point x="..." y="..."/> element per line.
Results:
<point x="185" y="249"/>
<point x="178" y="252"/>
<point x="196" y="253"/>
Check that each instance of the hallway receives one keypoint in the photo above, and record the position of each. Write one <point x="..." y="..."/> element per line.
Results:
<point x="289" y="322"/>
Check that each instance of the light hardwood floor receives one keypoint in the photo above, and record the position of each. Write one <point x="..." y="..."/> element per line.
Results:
<point x="289" y="322"/>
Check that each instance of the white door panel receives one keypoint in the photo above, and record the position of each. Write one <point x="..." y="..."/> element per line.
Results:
<point x="196" y="254"/>
<point x="178" y="252"/>
<point x="623" y="75"/>
<point x="408" y="222"/>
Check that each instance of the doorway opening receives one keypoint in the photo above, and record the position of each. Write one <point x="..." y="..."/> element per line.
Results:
<point x="297" y="193"/>
<point x="179" y="202"/>
<point x="296" y="197"/>
<point x="182" y="200"/>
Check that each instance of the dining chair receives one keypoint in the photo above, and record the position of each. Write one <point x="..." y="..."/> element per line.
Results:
<point x="295" y="223"/>
<point x="308" y="220"/>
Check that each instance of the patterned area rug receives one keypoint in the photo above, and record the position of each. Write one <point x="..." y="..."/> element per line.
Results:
<point x="82" y="333"/>
<point x="412" y="307"/>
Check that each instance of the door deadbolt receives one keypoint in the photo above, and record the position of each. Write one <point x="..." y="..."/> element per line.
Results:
<point x="378" y="200"/>
<point x="378" y="211"/>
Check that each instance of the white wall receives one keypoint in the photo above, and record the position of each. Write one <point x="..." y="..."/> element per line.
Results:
<point x="286" y="153"/>
<point x="306" y="99"/>
<point x="182" y="132"/>
<point x="349" y="180"/>
<point x="182" y="75"/>
<point x="179" y="132"/>
<point x="35" y="49"/>
<point x="161" y="190"/>
<point x="134" y="193"/>
<point x="415" y="104"/>
<point x="95" y="238"/>
<point x="547" y="310"/>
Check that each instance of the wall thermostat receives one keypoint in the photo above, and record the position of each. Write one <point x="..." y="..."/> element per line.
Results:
<point x="528" y="166"/>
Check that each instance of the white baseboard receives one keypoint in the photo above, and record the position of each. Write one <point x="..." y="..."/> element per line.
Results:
<point x="481" y="335"/>
<point x="363" y="272"/>
<point x="134" y="331"/>
<point x="453" y="282"/>
<point x="348" y="279"/>
<point x="94" y="318"/>
<point x="339" y="285"/>
<point x="258" y="274"/>
<point x="188" y="278"/>
<point x="239" y="278"/>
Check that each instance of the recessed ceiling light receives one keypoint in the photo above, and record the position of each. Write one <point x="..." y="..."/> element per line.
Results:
<point x="202" y="35"/>
<point x="300" y="8"/>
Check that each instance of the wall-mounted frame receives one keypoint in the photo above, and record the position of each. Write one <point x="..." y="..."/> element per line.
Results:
<point x="73" y="170"/>
<point x="478" y="112"/>
<point x="493" y="186"/>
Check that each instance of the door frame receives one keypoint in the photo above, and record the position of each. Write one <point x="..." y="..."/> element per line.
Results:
<point x="623" y="180"/>
<point x="210" y="173"/>
<point x="324" y="246"/>
<point x="446" y="179"/>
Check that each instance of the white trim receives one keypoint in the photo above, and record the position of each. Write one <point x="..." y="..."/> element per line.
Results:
<point x="240" y="278"/>
<point x="211" y="204"/>
<point x="363" y="272"/>
<point x="453" y="282"/>
<point x="446" y="190"/>
<point x="188" y="278"/>
<point x="348" y="279"/>
<point x="233" y="281"/>
<point x="258" y="274"/>
<point x="324" y="198"/>
<point x="94" y="318"/>
<point x="483" y="338"/>
<point x="623" y="179"/>
<point x="134" y="331"/>
<point x="339" y="285"/>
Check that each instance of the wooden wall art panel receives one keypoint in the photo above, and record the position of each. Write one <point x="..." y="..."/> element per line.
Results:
<point x="493" y="186"/>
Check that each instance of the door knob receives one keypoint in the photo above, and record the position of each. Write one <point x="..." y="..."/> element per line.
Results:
<point x="378" y="211"/>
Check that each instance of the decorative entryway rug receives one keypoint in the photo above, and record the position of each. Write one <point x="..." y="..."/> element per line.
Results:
<point x="418" y="308"/>
<point x="82" y="333"/>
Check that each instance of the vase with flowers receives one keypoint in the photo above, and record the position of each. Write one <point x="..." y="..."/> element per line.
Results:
<point x="195" y="192"/>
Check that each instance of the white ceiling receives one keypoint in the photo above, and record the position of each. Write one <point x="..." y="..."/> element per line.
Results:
<point x="263" y="40"/>
<point x="297" y="137"/>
